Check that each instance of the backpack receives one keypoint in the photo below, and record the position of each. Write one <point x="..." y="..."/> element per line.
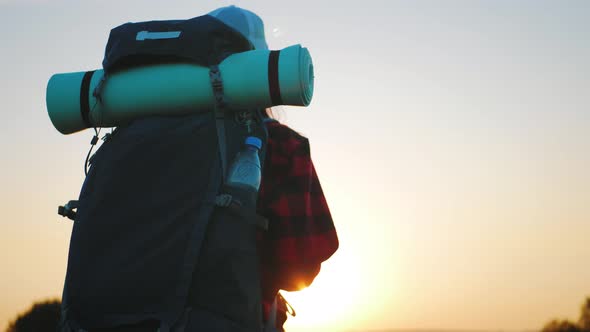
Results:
<point x="157" y="236"/>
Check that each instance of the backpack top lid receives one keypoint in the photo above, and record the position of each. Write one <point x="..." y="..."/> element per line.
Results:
<point x="244" y="21"/>
<point x="203" y="40"/>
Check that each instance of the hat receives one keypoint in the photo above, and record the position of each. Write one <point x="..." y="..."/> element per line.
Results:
<point x="244" y="21"/>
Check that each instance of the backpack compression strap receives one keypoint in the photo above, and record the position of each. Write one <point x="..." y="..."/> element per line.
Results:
<point x="271" y="322"/>
<point x="220" y="103"/>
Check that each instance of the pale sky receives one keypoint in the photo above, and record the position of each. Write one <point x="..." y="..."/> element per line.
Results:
<point x="451" y="139"/>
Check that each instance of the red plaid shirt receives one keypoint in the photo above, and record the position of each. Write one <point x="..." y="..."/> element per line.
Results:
<point x="301" y="233"/>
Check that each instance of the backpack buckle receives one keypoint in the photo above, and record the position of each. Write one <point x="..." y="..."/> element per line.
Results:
<point x="224" y="200"/>
<point x="67" y="210"/>
<point x="217" y="85"/>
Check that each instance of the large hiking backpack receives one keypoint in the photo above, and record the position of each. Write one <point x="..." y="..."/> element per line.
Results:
<point x="156" y="233"/>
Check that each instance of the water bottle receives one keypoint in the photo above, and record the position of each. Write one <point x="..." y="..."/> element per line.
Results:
<point x="244" y="173"/>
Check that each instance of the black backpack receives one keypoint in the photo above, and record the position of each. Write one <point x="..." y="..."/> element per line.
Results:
<point x="157" y="236"/>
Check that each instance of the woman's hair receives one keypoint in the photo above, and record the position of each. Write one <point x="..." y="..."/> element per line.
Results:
<point x="272" y="112"/>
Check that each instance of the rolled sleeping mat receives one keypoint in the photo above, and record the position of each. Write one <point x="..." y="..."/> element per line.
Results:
<point x="253" y="79"/>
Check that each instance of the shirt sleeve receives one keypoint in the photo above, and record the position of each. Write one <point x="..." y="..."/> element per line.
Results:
<point x="301" y="233"/>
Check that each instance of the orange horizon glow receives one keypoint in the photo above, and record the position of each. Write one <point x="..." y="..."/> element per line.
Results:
<point x="451" y="140"/>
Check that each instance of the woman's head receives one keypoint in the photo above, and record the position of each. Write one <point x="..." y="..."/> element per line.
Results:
<point x="244" y="21"/>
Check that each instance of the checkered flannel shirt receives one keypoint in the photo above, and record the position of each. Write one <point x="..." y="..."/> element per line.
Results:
<point x="301" y="233"/>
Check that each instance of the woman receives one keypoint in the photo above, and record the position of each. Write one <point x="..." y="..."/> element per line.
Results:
<point x="301" y="232"/>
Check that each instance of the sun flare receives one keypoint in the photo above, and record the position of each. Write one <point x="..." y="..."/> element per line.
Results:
<point x="330" y="302"/>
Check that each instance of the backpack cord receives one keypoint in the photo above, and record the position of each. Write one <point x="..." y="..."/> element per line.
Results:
<point x="92" y="145"/>
<point x="288" y="306"/>
<point x="94" y="138"/>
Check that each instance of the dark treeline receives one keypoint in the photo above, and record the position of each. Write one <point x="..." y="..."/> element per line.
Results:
<point x="564" y="325"/>
<point x="45" y="315"/>
<point x="40" y="317"/>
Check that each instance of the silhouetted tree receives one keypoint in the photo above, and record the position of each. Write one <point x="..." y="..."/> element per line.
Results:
<point x="42" y="316"/>
<point x="584" y="321"/>
<point x="561" y="326"/>
<point x="583" y="324"/>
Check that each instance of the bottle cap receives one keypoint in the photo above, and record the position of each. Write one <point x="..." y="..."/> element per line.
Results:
<point x="254" y="141"/>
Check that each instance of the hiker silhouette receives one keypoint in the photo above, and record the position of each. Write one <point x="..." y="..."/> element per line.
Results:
<point x="160" y="240"/>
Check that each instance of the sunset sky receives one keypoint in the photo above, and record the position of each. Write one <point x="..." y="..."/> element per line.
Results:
<point x="451" y="138"/>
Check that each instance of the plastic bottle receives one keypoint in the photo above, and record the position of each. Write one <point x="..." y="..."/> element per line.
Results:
<point x="244" y="172"/>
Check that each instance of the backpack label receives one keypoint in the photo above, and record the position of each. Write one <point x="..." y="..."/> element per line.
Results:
<point x="143" y="35"/>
